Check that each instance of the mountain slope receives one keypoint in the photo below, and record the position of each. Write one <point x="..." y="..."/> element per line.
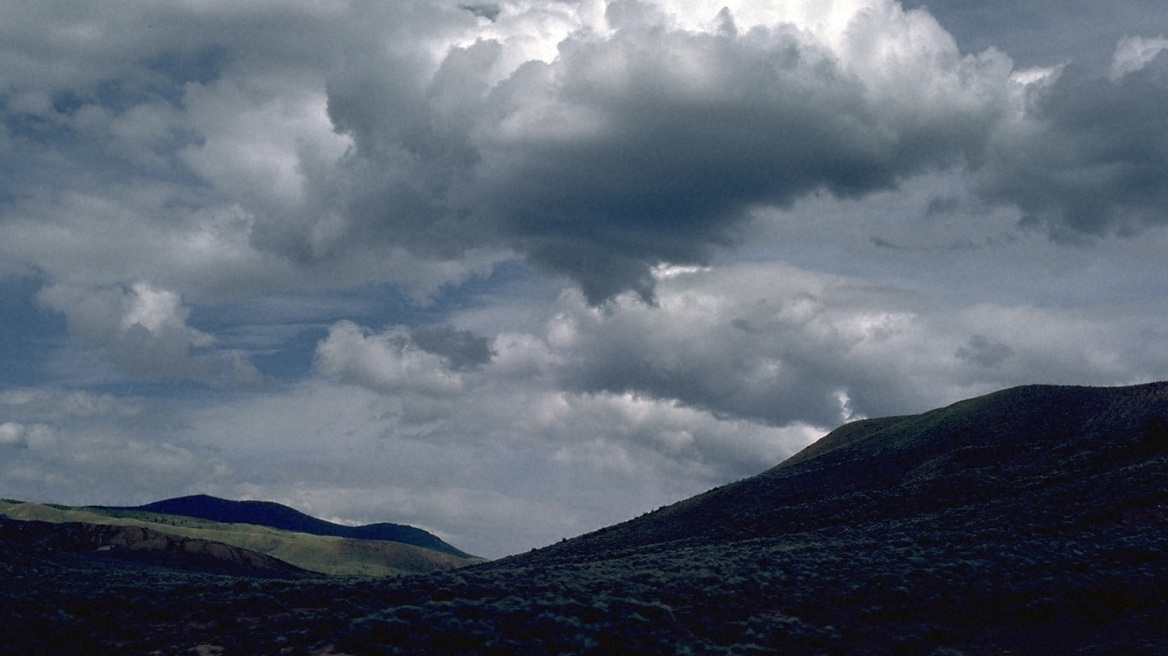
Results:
<point x="1029" y="454"/>
<point x="274" y="515"/>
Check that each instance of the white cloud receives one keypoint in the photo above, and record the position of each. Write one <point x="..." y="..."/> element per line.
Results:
<point x="1135" y="52"/>
<point x="771" y="343"/>
<point x="144" y="331"/>
<point x="13" y="434"/>
<point x="388" y="362"/>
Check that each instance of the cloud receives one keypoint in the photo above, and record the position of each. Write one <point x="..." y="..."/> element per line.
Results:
<point x="1090" y="157"/>
<point x="13" y="434"/>
<point x="597" y="140"/>
<point x="642" y="138"/>
<point x="387" y="362"/>
<point x="507" y="451"/>
<point x="982" y="351"/>
<point x="1133" y="53"/>
<point x="773" y="344"/>
<point x="516" y="395"/>
<point x="143" y="331"/>
<point x="462" y="349"/>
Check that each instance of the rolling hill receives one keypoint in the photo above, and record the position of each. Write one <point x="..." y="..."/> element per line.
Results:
<point x="274" y="515"/>
<point x="1032" y="521"/>
<point x="323" y="554"/>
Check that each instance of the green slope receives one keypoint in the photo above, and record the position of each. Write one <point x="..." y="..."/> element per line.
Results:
<point x="323" y="554"/>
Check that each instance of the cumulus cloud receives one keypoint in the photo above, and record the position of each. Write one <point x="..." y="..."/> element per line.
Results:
<point x="421" y="143"/>
<point x="643" y="136"/>
<point x="762" y="347"/>
<point x="144" y="331"/>
<point x="517" y="396"/>
<point x="387" y="362"/>
<point x="774" y="344"/>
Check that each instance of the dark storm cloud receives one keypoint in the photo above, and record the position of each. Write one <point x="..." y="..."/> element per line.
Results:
<point x="1096" y="160"/>
<point x="462" y="349"/>
<point x="648" y="145"/>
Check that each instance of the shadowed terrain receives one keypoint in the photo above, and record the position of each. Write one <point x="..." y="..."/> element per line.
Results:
<point x="1029" y="521"/>
<point x="72" y="540"/>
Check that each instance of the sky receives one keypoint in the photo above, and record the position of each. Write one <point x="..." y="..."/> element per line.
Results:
<point x="514" y="271"/>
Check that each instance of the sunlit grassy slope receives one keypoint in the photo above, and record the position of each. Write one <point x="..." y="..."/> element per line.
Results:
<point x="323" y="554"/>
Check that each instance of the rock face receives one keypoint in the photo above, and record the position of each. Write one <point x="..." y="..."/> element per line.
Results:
<point x="141" y="545"/>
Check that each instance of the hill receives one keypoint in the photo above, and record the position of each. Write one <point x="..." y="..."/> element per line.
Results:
<point x="1030" y="522"/>
<point x="1036" y="455"/>
<point x="71" y="542"/>
<point x="315" y="553"/>
<point x="274" y="515"/>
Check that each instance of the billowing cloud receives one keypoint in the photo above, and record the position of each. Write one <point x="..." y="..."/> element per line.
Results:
<point x="1135" y="52"/>
<point x="143" y="331"/>
<point x="421" y="143"/>
<point x="1090" y="157"/>
<point x="643" y="137"/>
<point x="387" y="362"/>
<point x="774" y="344"/>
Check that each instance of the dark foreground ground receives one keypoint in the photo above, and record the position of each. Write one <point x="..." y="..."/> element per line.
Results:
<point x="940" y="534"/>
<point x="910" y="589"/>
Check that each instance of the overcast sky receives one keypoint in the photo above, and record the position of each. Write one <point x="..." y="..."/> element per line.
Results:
<point x="512" y="271"/>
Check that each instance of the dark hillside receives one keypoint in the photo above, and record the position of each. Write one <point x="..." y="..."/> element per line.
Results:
<point x="274" y="515"/>
<point x="1024" y="455"/>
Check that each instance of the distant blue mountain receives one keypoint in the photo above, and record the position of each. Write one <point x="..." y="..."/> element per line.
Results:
<point x="274" y="515"/>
